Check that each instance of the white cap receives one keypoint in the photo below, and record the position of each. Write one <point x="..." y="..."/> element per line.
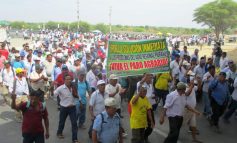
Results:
<point x="17" y="55"/>
<point x="87" y="51"/>
<point x="191" y="73"/>
<point x="113" y="76"/>
<point x="185" y="63"/>
<point x="36" y="59"/>
<point x="100" y="82"/>
<point x="110" y="102"/>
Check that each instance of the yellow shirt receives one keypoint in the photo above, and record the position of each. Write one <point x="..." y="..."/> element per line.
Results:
<point x="162" y="82"/>
<point x="138" y="117"/>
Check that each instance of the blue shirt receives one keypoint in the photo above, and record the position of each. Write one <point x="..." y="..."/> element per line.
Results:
<point x="108" y="131"/>
<point x="56" y="72"/>
<point x="82" y="88"/>
<point x="220" y="91"/>
<point x="17" y="64"/>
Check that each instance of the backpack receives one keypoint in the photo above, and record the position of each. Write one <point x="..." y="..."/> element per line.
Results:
<point x="91" y="127"/>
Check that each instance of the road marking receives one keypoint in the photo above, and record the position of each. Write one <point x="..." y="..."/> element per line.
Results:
<point x="162" y="133"/>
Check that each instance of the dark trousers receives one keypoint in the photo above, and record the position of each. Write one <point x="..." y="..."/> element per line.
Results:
<point x="149" y="129"/>
<point x="29" y="138"/>
<point x="231" y="109"/>
<point x="175" y="124"/>
<point x="138" y="135"/>
<point x="64" y="112"/>
<point x="217" y="111"/>
<point x="161" y="94"/>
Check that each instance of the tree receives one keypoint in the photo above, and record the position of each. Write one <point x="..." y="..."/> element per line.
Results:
<point x="219" y="15"/>
<point x="102" y="27"/>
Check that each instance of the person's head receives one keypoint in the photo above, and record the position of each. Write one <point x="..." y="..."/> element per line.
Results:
<point x="212" y="70"/>
<point x="148" y="78"/>
<point x="196" y="51"/>
<point x="224" y="54"/>
<point x="101" y="86"/>
<point x="113" y="79"/>
<point x="202" y="61"/>
<point x="181" y="87"/>
<point x="233" y="68"/>
<point x="19" y="72"/>
<point x="93" y="68"/>
<point x="77" y="62"/>
<point x="67" y="80"/>
<point x="59" y="63"/>
<point x="40" y="53"/>
<point x="210" y="61"/>
<point x="142" y="90"/>
<point x="29" y="58"/>
<point x="64" y="69"/>
<point x="222" y="77"/>
<point x="35" y="96"/>
<point x="37" y="60"/>
<point x="49" y="58"/>
<point x="110" y="106"/>
<point x="185" y="48"/>
<point x="69" y="52"/>
<point x="230" y="63"/>
<point x="3" y="46"/>
<point x="194" y="61"/>
<point x="7" y="64"/>
<point x="81" y="74"/>
<point x="17" y="57"/>
<point x="30" y="51"/>
<point x="38" y="68"/>
<point x="177" y="57"/>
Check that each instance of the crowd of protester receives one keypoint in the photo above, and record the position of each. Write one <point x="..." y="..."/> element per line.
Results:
<point x="71" y="68"/>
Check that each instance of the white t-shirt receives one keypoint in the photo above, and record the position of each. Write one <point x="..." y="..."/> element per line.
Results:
<point x="174" y="66"/>
<point x="97" y="102"/>
<point x="223" y="62"/>
<point x="191" y="99"/>
<point x="110" y="89"/>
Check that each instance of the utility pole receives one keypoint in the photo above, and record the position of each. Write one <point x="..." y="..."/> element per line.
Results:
<point x="78" y="17"/>
<point x="110" y="14"/>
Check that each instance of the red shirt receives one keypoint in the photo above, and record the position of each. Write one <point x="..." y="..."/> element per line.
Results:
<point x="5" y="53"/>
<point x="32" y="119"/>
<point x="60" y="79"/>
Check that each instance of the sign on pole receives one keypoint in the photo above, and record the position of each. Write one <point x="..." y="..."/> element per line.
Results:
<point x="132" y="58"/>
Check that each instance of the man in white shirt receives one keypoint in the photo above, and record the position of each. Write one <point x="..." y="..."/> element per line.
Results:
<point x="175" y="105"/>
<point x="91" y="77"/>
<point x="174" y="66"/>
<point x="209" y="76"/>
<point x="38" y="79"/>
<point x="224" y="60"/>
<point x="96" y="103"/>
<point x="67" y="93"/>
<point x="7" y="76"/>
<point x="20" y="89"/>
<point x="184" y="52"/>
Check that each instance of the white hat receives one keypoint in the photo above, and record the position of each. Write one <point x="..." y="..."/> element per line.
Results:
<point x="110" y="102"/>
<point x="191" y="73"/>
<point x="113" y="76"/>
<point x="100" y="82"/>
<point x="87" y="51"/>
<point x="17" y="55"/>
<point x="185" y="63"/>
<point x="36" y="59"/>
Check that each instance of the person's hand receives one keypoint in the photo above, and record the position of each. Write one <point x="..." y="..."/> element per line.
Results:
<point x="162" y="120"/>
<point x="152" y="125"/>
<point x="47" y="135"/>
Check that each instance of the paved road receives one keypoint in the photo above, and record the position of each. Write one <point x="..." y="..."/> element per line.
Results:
<point x="10" y="131"/>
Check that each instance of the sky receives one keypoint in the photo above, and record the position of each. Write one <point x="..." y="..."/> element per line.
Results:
<point x="167" y="13"/>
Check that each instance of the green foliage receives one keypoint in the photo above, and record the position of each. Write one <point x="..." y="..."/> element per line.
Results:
<point x="219" y="15"/>
<point x="102" y="27"/>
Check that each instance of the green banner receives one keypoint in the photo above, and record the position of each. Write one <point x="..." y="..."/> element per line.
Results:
<point x="131" y="58"/>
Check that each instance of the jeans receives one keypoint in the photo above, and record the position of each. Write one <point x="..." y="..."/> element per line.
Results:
<point x="29" y="138"/>
<point x="206" y="101"/>
<point x="231" y="109"/>
<point x="64" y="112"/>
<point x="81" y="114"/>
<point x="175" y="124"/>
<point x="217" y="110"/>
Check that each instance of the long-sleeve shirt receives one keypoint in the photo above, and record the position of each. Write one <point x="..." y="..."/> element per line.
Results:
<point x="7" y="78"/>
<point x="21" y="87"/>
<point x="206" y="81"/>
<point x="219" y="90"/>
<point x="56" y="71"/>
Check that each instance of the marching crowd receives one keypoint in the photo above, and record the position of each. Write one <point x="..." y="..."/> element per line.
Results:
<point x="71" y="68"/>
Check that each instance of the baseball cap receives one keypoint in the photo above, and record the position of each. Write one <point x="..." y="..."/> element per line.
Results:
<point x="110" y="102"/>
<point x="100" y="82"/>
<point x="36" y="59"/>
<point x="113" y="76"/>
<point x="64" y="67"/>
<point x="19" y="70"/>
